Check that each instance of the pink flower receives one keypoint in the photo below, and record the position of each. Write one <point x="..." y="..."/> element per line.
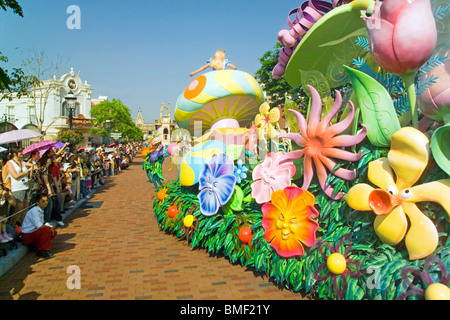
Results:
<point x="434" y="102"/>
<point x="273" y="174"/>
<point x="402" y="34"/>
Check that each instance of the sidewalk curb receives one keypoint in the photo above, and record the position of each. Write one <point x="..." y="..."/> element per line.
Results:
<point x="15" y="255"/>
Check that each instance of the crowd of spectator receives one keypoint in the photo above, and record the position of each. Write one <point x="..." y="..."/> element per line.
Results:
<point x="35" y="192"/>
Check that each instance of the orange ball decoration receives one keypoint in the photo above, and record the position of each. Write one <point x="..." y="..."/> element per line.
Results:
<point x="245" y="234"/>
<point x="173" y="211"/>
<point x="161" y="195"/>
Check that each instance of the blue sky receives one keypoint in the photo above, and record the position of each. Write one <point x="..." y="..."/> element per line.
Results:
<point x="142" y="51"/>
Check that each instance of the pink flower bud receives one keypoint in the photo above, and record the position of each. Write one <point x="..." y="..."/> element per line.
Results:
<point x="432" y="101"/>
<point x="402" y="34"/>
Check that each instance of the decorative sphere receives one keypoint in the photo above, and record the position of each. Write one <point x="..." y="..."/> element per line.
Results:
<point x="188" y="220"/>
<point x="173" y="211"/>
<point x="161" y="195"/>
<point x="336" y="263"/>
<point x="171" y="148"/>
<point x="437" y="291"/>
<point x="245" y="234"/>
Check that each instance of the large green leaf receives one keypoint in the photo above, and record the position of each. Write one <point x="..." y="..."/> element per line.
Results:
<point x="377" y="109"/>
<point x="236" y="199"/>
<point x="234" y="151"/>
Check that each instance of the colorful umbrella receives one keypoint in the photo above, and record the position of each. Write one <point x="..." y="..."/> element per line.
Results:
<point x="18" y="135"/>
<point x="42" y="146"/>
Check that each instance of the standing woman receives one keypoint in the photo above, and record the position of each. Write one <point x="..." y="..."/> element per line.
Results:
<point x="6" y="200"/>
<point x="19" y="174"/>
<point x="46" y="180"/>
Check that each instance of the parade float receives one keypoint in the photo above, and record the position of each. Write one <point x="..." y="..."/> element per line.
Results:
<point x="352" y="202"/>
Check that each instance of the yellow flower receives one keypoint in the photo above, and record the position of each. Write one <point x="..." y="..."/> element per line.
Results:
<point x="265" y="121"/>
<point x="394" y="204"/>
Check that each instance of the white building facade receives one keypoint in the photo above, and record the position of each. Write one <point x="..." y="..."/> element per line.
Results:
<point x="46" y="106"/>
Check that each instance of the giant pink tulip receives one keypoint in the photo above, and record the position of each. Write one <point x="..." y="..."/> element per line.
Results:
<point x="402" y="34"/>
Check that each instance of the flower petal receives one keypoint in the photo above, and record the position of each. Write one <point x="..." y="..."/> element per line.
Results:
<point x="341" y="126"/>
<point x="264" y="108"/>
<point x="221" y="164"/>
<point x="391" y="228"/>
<point x="274" y="115"/>
<point x="325" y="122"/>
<point x="408" y="156"/>
<point x="296" y="137"/>
<point x="381" y="44"/>
<point x="280" y="179"/>
<point x="414" y="43"/>
<point x="308" y="172"/>
<point x="260" y="169"/>
<point x="301" y="123"/>
<point x="287" y="248"/>
<point x="339" y="172"/>
<point x="279" y="199"/>
<point x="223" y="187"/>
<point x="271" y="215"/>
<point x="261" y="191"/>
<point x="347" y="140"/>
<point x="209" y="204"/>
<point x="358" y="197"/>
<point x="205" y="177"/>
<point x="422" y="237"/>
<point x="299" y="198"/>
<point x="315" y="112"/>
<point x="380" y="173"/>
<point x="304" y="229"/>
<point x="341" y="154"/>
<point x="436" y="191"/>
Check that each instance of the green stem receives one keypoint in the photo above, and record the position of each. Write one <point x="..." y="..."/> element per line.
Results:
<point x="309" y="109"/>
<point x="408" y="80"/>
<point x="355" y="125"/>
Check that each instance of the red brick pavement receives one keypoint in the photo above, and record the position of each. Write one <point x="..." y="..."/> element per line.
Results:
<point x="123" y="255"/>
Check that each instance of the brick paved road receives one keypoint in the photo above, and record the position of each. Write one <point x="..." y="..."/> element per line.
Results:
<point x="122" y="254"/>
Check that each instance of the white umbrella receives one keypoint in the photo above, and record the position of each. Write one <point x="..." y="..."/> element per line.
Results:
<point x="18" y="135"/>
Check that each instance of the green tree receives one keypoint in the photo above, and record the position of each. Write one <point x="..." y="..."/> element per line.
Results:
<point x="277" y="89"/>
<point x="12" y="4"/>
<point x="120" y="117"/>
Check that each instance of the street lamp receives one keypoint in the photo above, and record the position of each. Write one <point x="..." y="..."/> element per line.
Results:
<point x="108" y="129"/>
<point x="71" y="101"/>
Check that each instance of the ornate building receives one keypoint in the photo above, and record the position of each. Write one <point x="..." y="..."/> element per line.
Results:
<point x="163" y="126"/>
<point x="46" y="107"/>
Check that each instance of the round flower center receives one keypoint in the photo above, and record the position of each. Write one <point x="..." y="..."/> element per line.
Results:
<point x="238" y="171"/>
<point x="336" y="263"/>
<point x="188" y="220"/>
<point x="314" y="147"/>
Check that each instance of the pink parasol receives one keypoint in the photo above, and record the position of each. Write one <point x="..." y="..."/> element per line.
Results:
<point x="18" y="135"/>
<point x="42" y="146"/>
